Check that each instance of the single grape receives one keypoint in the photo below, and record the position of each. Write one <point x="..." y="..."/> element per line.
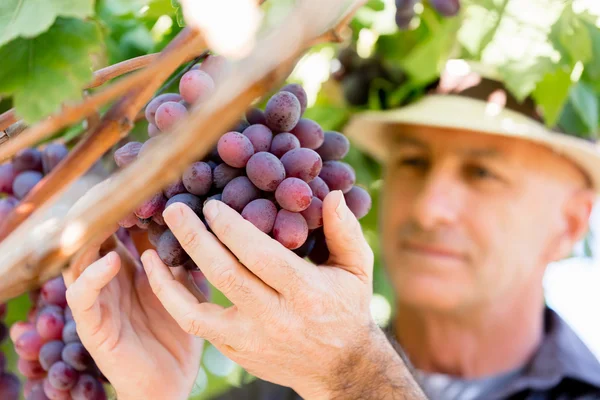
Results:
<point x="235" y="149"/>
<point x="24" y="182"/>
<point x="54" y="393"/>
<point x="282" y="112"/>
<point x="298" y="91"/>
<point x="6" y="208"/>
<point x="239" y="192"/>
<point x="168" y="114"/>
<point x="34" y="390"/>
<point x="197" y="178"/>
<point x="154" y="232"/>
<point x="28" y="160"/>
<point x="170" y="251"/>
<point x="53" y="292"/>
<point x="338" y="175"/>
<point x="216" y="66"/>
<point x="284" y="142"/>
<point x="7" y="177"/>
<point x="50" y="324"/>
<point x="404" y="12"/>
<point x="334" y="147"/>
<point x="196" y="85"/>
<point x="261" y="213"/>
<point x="10" y="387"/>
<point x="50" y="353"/>
<point x="319" y="253"/>
<point x="260" y="136"/>
<point x="70" y="332"/>
<point x="174" y="189"/>
<point x="309" y="133"/>
<point x="127" y="154"/>
<point x="240" y="126"/>
<point x="212" y="165"/>
<point x="265" y="171"/>
<point x="77" y="356"/>
<point x="128" y="221"/>
<point x="290" y="229"/>
<point x="302" y="163"/>
<point x="31" y="369"/>
<point x="256" y="116"/>
<point x="223" y="174"/>
<point x="319" y="188"/>
<point x="28" y="345"/>
<point x="358" y="201"/>
<point x="159" y="100"/>
<point x="447" y="8"/>
<point x="193" y="202"/>
<point x="153" y="130"/>
<point x="86" y="388"/>
<point x="19" y="328"/>
<point x="53" y="154"/>
<point x="151" y="206"/>
<point x="62" y="376"/>
<point x="314" y="214"/>
<point x="293" y="194"/>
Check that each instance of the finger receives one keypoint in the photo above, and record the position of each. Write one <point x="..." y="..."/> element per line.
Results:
<point x="209" y="321"/>
<point x="82" y="294"/>
<point x="183" y="276"/>
<point x="219" y="266"/>
<point x="87" y="255"/>
<point x="268" y="259"/>
<point x="347" y="245"/>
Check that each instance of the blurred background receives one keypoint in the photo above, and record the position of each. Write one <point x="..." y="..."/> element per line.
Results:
<point x="547" y="49"/>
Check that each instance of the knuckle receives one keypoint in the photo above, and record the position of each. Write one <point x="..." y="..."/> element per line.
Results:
<point x="190" y="240"/>
<point x="223" y="229"/>
<point x="227" y="280"/>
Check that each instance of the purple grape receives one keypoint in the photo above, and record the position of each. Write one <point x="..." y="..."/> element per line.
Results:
<point x="151" y="206"/>
<point x="6" y="207"/>
<point x="86" y="388"/>
<point x="334" y="147"/>
<point x="153" y="130"/>
<point x="239" y="192"/>
<point x="174" y="189"/>
<point x="290" y="229"/>
<point x="293" y="194"/>
<point x="265" y="171"/>
<point x="30" y="369"/>
<point x="28" y="345"/>
<point x="306" y="247"/>
<point x="170" y="251"/>
<point x="223" y="174"/>
<point x="404" y="12"/>
<point x="282" y="112"/>
<point x="302" y="163"/>
<point x="212" y="165"/>
<point x="193" y="202"/>
<point x="50" y="324"/>
<point x="196" y="85"/>
<point x="197" y="178"/>
<point x="128" y="221"/>
<point x="261" y="213"/>
<point x="54" y="393"/>
<point x="70" y="332"/>
<point x="168" y="114"/>
<point x="24" y="182"/>
<point x="235" y="149"/>
<point x="358" y="201"/>
<point x="51" y="353"/>
<point x="53" y="154"/>
<point x="319" y="188"/>
<point x="260" y="136"/>
<point x="338" y="175"/>
<point x="314" y="214"/>
<point x="319" y="253"/>
<point x="309" y="133"/>
<point x="34" y="390"/>
<point x="127" y="154"/>
<point x="298" y="91"/>
<point x="447" y="8"/>
<point x="62" y="376"/>
<point x="68" y="314"/>
<point x="154" y="232"/>
<point x="28" y="160"/>
<point x="159" y="100"/>
<point x="53" y="292"/>
<point x="10" y="387"/>
<point x="284" y="142"/>
<point x="7" y="177"/>
<point x="77" y="356"/>
<point x="215" y="66"/>
<point x="255" y="116"/>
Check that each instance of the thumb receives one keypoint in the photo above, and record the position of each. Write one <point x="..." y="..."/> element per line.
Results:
<point x="347" y="245"/>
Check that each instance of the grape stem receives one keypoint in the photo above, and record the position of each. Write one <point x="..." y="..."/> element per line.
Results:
<point x="26" y="260"/>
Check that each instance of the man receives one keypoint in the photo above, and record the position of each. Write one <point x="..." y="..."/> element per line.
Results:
<point x="478" y="198"/>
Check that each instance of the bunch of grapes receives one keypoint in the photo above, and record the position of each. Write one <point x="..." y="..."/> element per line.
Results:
<point x="405" y="10"/>
<point x="57" y="366"/>
<point x="10" y="387"/>
<point x="274" y="168"/>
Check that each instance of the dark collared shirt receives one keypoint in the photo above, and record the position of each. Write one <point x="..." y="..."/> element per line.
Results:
<point x="563" y="368"/>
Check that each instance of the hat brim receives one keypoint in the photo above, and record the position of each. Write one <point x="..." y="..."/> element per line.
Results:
<point x="372" y="131"/>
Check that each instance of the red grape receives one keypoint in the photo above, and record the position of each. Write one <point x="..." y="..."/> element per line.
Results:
<point x="293" y="194"/>
<point x="309" y="133"/>
<point x="31" y="369"/>
<point x="282" y="112"/>
<point x="256" y="116"/>
<point x="77" y="356"/>
<point x="235" y="149"/>
<point x="193" y="202"/>
<point x="319" y="188"/>
<point x="334" y="147"/>
<point x="51" y="353"/>
<point x="62" y="376"/>
<point x="50" y="324"/>
<point x="197" y="178"/>
<point x="260" y="136"/>
<point x="148" y="208"/>
<point x="28" y="160"/>
<point x="298" y="91"/>
<point x="265" y="171"/>
<point x="223" y="174"/>
<point x="86" y="388"/>
<point x="290" y="229"/>
<point x="53" y="154"/>
<point x="28" y="345"/>
<point x="157" y="102"/>
<point x="7" y="177"/>
<point x="53" y="292"/>
<point x="174" y="189"/>
<point x="170" y="251"/>
<point x="358" y="201"/>
<point x="302" y="163"/>
<point x="126" y="154"/>
<point x="239" y="192"/>
<point x="196" y="85"/>
<point x="338" y="175"/>
<point x="314" y="214"/>
<point x="284" y="142"/>
<point x="168" y="114"/>
<point x="261" y="213"/>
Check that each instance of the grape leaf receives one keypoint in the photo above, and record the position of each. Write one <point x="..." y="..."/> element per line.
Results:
<point x="570" y="36"/>
<point x="521" y="77"/>
<point x="551" y="93"/>
<point x="29" y="18"/>
<point x="585" y="103"/>
<point x="43" y="72"/>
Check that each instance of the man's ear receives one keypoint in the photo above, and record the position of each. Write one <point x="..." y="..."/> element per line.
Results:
<point x="576" y="214"/>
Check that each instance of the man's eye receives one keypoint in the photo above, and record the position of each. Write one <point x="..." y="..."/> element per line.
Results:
<point x="480" y="172"/>
<point x="414" y="162"/>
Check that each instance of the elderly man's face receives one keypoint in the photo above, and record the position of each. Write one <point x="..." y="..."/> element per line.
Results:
<point x="469" y="218"/>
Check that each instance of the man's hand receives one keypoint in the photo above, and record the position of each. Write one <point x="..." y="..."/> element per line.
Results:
<point x="134" y="341"/>
<point x="293" y="323"/>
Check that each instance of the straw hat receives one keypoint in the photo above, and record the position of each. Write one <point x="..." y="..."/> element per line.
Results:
<point x="468" y="98"/>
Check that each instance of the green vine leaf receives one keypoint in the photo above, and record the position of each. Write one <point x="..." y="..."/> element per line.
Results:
<point x="43" y="72"/>
<point x="551" y="93"/>
<point x="29" y="18"/>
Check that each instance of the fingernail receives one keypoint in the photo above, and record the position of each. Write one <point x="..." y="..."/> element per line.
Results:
<point x="341" y="208"/>
<point x="173" y="215"/>
<point x="211" y="210"/>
